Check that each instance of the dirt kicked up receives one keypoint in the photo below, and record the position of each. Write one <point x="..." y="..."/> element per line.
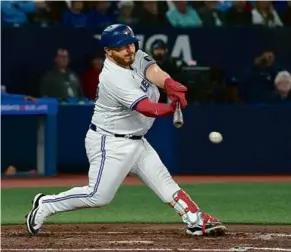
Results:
<point x="142" y="237"/>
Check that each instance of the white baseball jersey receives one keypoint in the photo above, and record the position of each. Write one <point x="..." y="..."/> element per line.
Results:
<point x="113" y="158"/>
<point x="119" y="91"/>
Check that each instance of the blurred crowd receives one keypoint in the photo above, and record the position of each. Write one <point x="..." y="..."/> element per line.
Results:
<point x="265" y="81"/>
<point x="180" y="14"/>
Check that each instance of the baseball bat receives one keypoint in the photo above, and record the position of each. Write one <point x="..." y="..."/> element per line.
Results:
<point x="178" y="116"/>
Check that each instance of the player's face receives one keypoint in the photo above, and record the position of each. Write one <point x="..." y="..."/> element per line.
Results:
<point x="123" y="56"/>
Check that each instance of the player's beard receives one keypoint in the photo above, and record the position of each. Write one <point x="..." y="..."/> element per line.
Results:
<point x="124" y="61"/>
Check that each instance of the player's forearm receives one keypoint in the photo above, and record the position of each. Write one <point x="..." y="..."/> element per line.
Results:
<point x="156" y="75"/>
<point x="150" y="109"/>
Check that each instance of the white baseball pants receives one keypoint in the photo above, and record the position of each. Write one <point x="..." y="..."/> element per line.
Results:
<point x="111" y="160"/>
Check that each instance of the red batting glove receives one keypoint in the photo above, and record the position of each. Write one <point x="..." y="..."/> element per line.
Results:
<point x="173" y="105"/>
<point x="176" y="91"/>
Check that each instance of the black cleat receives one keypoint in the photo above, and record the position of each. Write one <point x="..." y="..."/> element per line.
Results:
<point x="210" y="227"/>
<point x="32" y="226"/>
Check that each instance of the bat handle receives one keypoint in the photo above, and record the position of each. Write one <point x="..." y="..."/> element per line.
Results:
<point x="178" y="116"/>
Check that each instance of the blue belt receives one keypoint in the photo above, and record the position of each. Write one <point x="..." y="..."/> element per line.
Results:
<point x="94" y="128"/>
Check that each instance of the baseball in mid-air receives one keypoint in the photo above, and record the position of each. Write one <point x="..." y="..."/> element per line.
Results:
<point x="215" y="137"/>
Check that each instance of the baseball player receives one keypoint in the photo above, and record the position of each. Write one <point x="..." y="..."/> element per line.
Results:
<point x="125" y="109"/>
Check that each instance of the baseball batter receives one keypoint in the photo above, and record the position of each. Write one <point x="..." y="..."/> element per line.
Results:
<point x="125" y="109"/>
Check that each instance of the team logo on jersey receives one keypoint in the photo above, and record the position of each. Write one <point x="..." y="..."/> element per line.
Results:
<point x="148" y="58"/>
<point x="144" y="85"/>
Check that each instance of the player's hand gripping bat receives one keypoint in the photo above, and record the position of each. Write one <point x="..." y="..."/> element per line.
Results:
<point x="178" y="116"/>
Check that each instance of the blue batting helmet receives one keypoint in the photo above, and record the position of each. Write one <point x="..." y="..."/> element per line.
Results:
<point x="118" y="35"/>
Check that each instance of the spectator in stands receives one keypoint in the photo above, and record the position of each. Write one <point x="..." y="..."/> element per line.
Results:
<point x="183" y="15"/>
<point x="57" y="9"/>
<point x="264" y="14"/>
<point x="149" y="15"/>
<point x="125" y="13"/>
<point x="43" y="17"/>
<point x="279" y="5"/>
<point x="282" y="92"/>
<point x="224" y="5"/>
<point x="239" y="14"/>
<point x="90" y="78"/>
<point x="260" y="80"/>
<point x="159" y="52"/>
<point x="16" y="12"/>
<point x="99" y="16"/>
<point x="226" y="90"/>
<point x="286" y="14"/>
<point x="75" y="16"/>
<point x="209" y="14"/>
<point x="196" y="4"/>
<point x="61" y="82"/>
<point x="113" y="10"/>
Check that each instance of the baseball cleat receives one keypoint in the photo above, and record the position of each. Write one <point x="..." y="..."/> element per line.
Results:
<point x="209" y="226"/>
<point x="36" y="216"/>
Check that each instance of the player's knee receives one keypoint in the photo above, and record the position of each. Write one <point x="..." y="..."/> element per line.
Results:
<point x="103" y="201"/>
<point x="98" y="200"/>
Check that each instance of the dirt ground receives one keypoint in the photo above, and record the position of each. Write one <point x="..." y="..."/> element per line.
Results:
<point x="146" y="237"/>
<point x="141" y="237"/>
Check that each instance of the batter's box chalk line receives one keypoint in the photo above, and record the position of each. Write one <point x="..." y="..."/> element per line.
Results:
<point x="261" y="234"/>
<point x="241" y="249"/>
<point x="129" y="242"/>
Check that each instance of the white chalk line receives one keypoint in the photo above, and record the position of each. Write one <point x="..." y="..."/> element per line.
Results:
<point x="241" y="249"/>
<point x="259" y="234"/>
<point x="129" y="242"/>
<point x="237" y="249"/>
